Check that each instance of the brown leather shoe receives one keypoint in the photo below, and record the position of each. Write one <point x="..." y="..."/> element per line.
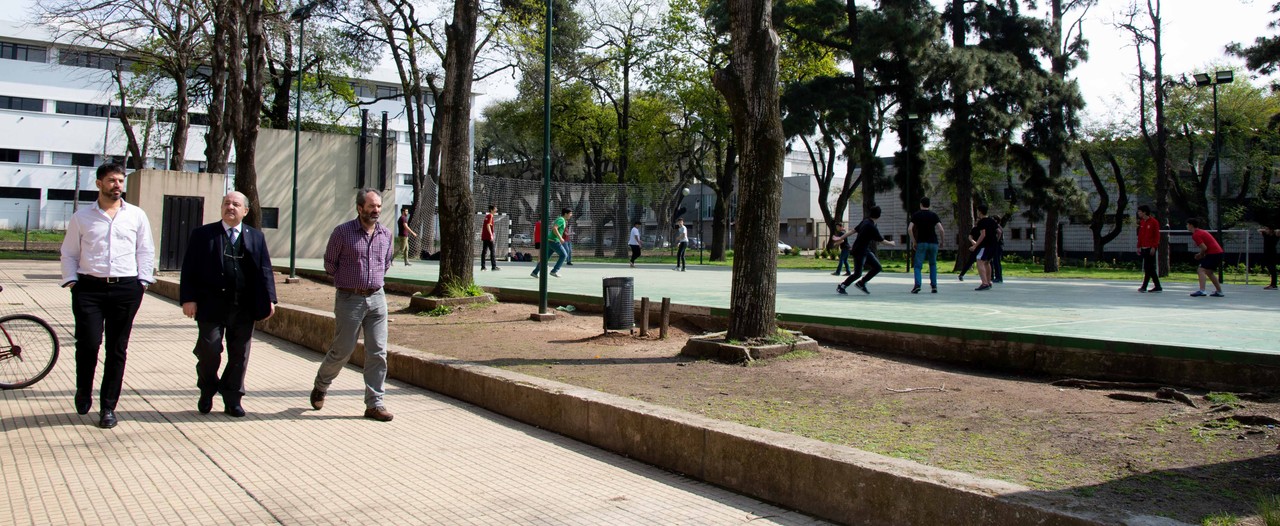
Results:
<point x="317" y="399"/>
<point x="378" y="413"/>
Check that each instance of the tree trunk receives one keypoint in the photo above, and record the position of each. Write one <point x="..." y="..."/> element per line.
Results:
<point x="959" y="146"/>
<point x="181" y="124"/>
<point x="721" y="215"/>
<point x="215" y="137"/>
<point x="750" y="87"/>
<point x="251" y="109"/>
<point x="457" y="226"/>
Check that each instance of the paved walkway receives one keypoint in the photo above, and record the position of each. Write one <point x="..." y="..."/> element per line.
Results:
<point x="1244" y="321"/>
<point x="440" y="462"/>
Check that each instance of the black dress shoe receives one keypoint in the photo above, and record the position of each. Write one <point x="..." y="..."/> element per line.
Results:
<point x="108" y="419"/>
<point x="205" y="404"/>
<point x="83" y="402"/>
<point x="234" y="410"/>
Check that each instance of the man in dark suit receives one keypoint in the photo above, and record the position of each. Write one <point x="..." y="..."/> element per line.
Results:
<point x="227" y="284"/>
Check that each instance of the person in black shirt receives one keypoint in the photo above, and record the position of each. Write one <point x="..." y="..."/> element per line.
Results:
<point x="842" y="239"/>
<point x="863" y="251"/>
<point x="926" y="233"/>
<point x="985" y="245"/>
<point x="1269" y="238"/>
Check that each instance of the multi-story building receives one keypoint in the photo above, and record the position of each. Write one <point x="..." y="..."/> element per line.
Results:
<point x="57" y="104"/>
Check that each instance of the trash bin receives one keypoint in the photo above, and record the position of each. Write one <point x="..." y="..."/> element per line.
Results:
<point x="619" y="304"/>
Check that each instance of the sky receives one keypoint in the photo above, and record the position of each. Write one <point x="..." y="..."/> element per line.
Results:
<point x="1195" y="35"/>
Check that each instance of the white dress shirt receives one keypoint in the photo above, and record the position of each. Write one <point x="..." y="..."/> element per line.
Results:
<point x="100" y="246"/>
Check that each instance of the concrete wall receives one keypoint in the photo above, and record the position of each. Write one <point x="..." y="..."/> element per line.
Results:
<point x="327" y="184"/>
<point x="147" y="189"/>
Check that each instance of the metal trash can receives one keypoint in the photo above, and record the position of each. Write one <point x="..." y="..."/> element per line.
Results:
<point x="619" y="304"/>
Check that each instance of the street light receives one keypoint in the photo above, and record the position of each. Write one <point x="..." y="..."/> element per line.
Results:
<point x="907" y="119"/>
<point x="545" y="251"/>
<point x="299" y="15"/>
<point x="1202" y="80"/>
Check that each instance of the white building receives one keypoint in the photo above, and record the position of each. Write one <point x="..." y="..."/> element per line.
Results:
<point x="54" y="107"/>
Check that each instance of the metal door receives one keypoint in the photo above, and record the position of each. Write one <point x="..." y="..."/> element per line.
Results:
<point x="181" y="215"/>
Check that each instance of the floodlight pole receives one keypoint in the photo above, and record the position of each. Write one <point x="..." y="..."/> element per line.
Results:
<point x="300" y="15"/>
<point x="546" y="167"/>
<point x="1203" y="79"/>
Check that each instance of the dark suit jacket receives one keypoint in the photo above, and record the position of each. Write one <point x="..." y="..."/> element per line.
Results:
<point x="202" y="273"/>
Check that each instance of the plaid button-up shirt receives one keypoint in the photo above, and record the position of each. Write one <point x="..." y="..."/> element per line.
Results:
<point x="357" y="260"/>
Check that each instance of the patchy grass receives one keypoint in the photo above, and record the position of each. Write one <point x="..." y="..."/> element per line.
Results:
<point x="441" y="310"/>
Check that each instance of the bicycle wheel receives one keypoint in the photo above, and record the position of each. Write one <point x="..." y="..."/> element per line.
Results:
<point x="28" y="350"/>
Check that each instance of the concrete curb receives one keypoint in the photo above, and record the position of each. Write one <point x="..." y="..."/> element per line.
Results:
<point x="830" y="481"/>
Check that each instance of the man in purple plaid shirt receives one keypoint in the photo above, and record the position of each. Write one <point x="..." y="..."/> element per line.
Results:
<point x="358" y="256"/>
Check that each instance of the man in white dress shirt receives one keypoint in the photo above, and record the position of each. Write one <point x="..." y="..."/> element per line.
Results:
<point x="108" y="260"/>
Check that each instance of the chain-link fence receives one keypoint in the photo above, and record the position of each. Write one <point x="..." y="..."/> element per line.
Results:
<point x="602" y="213"/>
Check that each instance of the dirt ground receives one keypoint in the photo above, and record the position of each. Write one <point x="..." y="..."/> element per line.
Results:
<point x="1167" y="459"/>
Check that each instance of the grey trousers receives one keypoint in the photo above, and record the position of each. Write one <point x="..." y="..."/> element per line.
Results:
<point x="353" y="313"/>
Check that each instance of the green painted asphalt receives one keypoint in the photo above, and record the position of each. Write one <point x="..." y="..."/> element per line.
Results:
<point x="1045" y="310"/>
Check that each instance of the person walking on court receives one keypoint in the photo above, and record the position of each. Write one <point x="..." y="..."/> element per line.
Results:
<point x="227" y="284"/>
<point x="555" y="242"/>
<point x="358" y="257"/>
<point x="989" y="233"/>
<point x="487" y="237"/>
<point x="844" y="249"/>
<point x="634" y="243"/>
<point x="108" y="261"/>
<point x="402" y="239"/>
<point x="1269" y="238"/>
<point x="925" y="232"/>
<point x="864" y="252"/>
<point x="1148" y="243"/>
<point x="973" y="254"/>
<point x="682" y="240"/>
<point x="1209" y="256"/>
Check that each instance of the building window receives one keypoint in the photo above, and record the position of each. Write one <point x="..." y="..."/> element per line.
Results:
<point x="13" y="192"/>
<point x="387" y="92"/>
<point x="23" y="52"/>
<point x="91" y="59"/>
<point x="405" y="179"/>
<point x="1017" y="234"/>
<point x="8" y="155"/>
<point x="21" y="103"/>
<point x="66" y="195"/>
<point x="270" y="217"/>
<point x="73" y="159"/>
<point x="81" y="108"/>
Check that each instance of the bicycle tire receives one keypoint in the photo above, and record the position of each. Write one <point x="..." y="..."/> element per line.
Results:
<point x="37" y="342"/>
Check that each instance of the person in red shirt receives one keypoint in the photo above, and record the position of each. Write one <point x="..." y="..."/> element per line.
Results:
<point x="486" y="237"/>
<point x="1209" y="256"/>
<point x="1148" y="242"/>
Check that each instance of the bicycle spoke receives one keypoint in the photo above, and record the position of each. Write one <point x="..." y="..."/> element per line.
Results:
<point x="28" y="350"/>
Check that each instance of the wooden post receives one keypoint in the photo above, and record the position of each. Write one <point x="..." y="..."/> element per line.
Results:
<point x="666" y="318"/>
<point x="644" y="316"/>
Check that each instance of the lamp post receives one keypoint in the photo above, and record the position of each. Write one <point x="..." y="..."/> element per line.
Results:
<point x="299" y="15"/>
<point x="1202" y="80"/>
<point x="546" y="166"/>
<point x="907" y="119"/>
<point x="702" y="241"/>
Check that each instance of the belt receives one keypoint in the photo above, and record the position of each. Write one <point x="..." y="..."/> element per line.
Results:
<point x="95" y="279"/>
<point x="360" y="292"/>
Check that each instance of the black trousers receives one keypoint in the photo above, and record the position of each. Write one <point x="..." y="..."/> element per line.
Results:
<point x="866" y="259"/>
<point x="635" y="253"/>
<point x="488" y="247"/>
<point x="103" y="307"/>
<point x="680" y="254"/>
<point x="1149" y="272"/>
<point x="237" y="331"/>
